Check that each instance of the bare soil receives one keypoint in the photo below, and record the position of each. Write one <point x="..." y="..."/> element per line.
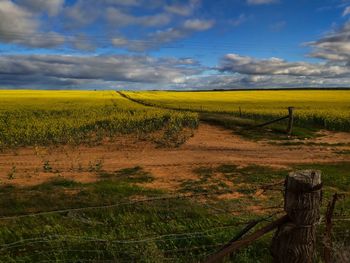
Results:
<point x="210" y="146"/>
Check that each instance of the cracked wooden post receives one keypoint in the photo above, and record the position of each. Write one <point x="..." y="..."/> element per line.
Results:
<point x="290" y="121"/>
<point x="295" y="240"/>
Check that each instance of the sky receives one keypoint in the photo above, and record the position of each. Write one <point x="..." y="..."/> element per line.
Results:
<point x="173" y="44"/>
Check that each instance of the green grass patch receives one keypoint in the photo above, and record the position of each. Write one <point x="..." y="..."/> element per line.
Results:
<point x="108" y="221"/>
<point x="57" y="182"/>
<point x="343" y="152"/>
<point x="123" y="221"/>
<point x="252" y="174"/>
<point x="207" y="182"/>
<point x="133" y="175"/>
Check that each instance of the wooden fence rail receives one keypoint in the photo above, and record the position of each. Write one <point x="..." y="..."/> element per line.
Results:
<point x="290" y="118"/>
<point x="295" y="238"/>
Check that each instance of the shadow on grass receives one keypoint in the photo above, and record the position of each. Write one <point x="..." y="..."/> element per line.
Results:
<point x="157" y="230"/>
<point x="118" y="227"/>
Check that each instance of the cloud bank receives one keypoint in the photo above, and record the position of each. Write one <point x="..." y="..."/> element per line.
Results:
<point x="135" y="28"/>
<point x="69" y="71"/>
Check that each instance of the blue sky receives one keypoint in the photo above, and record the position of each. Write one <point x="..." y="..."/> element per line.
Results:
<point x="188" y="44"/>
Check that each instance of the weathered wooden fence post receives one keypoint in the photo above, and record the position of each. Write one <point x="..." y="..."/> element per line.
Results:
<point x="240" y="112"/>
<point x="290" y="120"/>
<point x="294" y="241"/>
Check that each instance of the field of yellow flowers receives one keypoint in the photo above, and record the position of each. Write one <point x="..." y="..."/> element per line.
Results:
<point x="45" y="117"/>
<point x="328" y="109"/>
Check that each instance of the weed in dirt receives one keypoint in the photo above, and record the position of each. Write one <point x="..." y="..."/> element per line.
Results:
<point x="57" y="182"/>
<point x="47" y="167"/>
<point x="96" y="166"/>
<point x="204" y="173"/>
<point x="343" y="152"/>
<point x="132" y="175"/>
<point x="227" y="168"/>
<point x="11" y="173"/>
<point x="252" y="174"/>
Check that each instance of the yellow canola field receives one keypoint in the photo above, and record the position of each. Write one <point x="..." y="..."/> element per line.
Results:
<point x="324" y="108"/>
<point x="44" y="117"/>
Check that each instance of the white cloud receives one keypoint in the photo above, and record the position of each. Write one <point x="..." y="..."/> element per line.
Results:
<point x="123" y="2"/>
<point x="81" y="42"/>
<point x="120" y="19"/>
<point x="52" y="7"/>
<point x="198" y="24"/>
<point x="261" y="2"/>
<point x="22" y="22"/>
<point x="274" y="66"/>
<point x="18" y="25"/>
<point x="161" y="37"/>
<point x="334" y="46"/>
<point x="121" y="13"/>
<point x="82" y="13"/>
<point x="242" y="18"/>
<point x="57" y="69"/>
<point x="183" y="9"/>
<point x="119" y="41"/>
<point x="346" y="11"/>
<point x="15" y="21"/>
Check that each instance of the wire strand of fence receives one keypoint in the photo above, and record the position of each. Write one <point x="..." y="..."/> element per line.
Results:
<point x="169" y="251"/>
<point x="60" y="238"/>
<point x="171" y="236"/>
<point x="167" y="219"/>
<point x="107" y="206"/>
<point x="91" y="221"/>
<point x="77" y="209"/>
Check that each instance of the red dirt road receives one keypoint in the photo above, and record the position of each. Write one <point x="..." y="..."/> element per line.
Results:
<point x="210" y="146"/>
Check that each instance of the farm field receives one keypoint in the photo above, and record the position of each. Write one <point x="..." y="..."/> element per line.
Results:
<point x="323" y="108"/>
<point x="92" y="176"/>
<point x="48" y="117"/>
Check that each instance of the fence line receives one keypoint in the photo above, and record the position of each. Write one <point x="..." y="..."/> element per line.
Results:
<point x="108" y="206"/>
<point x="222" y="212"/>
<point x="236" y="243"/>
<point x="161" y="198"/>
<point x="167" y="237"/>
<point x="172" y="236"/>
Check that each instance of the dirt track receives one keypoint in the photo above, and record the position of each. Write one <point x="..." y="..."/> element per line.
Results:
<point x="209" y="146"/>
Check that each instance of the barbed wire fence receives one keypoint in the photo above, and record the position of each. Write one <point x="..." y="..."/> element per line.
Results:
<point x="196" y="240"/>
<point x="194" y="247"/>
